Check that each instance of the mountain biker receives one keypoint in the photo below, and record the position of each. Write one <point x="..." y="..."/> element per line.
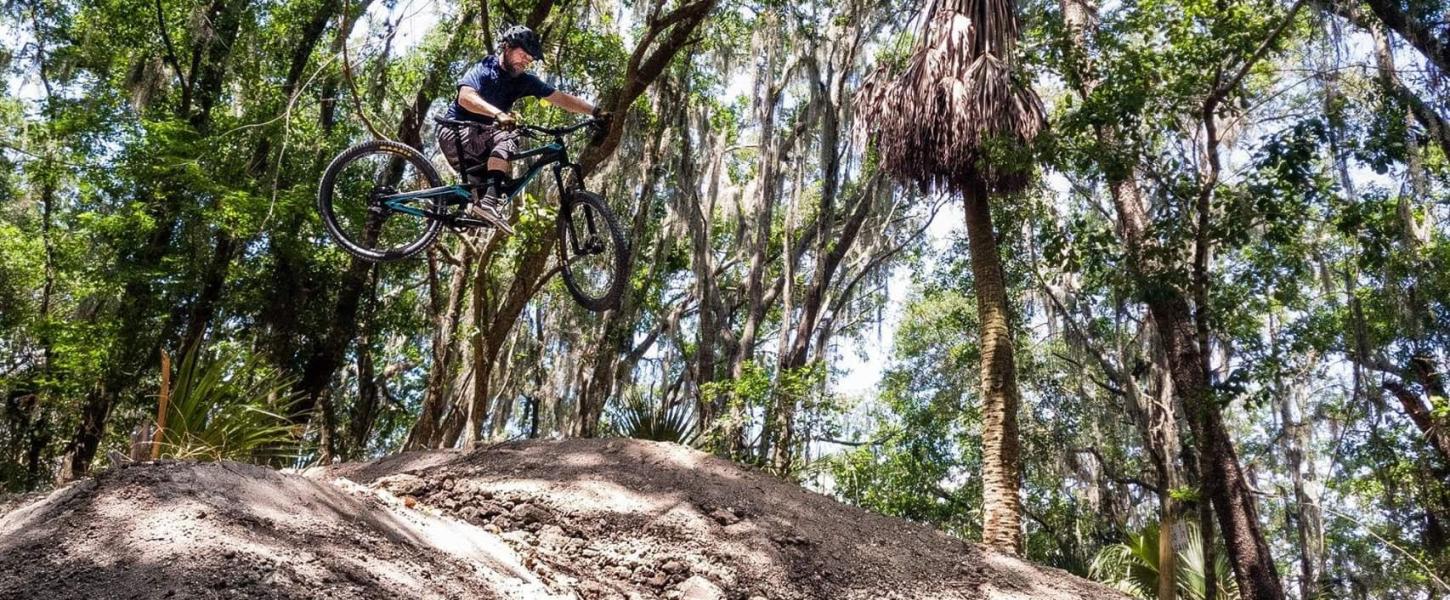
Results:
<point x="486" y="93"/>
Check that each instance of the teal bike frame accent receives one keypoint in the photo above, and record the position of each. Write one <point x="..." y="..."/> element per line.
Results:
<point x="397" y="202"/>
<point x="461" y="194"/>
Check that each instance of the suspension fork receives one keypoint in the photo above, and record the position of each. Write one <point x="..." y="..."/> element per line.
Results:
<point x="566" y="208"/>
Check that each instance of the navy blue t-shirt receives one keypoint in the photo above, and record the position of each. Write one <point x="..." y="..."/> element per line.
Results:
<point x="498" y="87"/>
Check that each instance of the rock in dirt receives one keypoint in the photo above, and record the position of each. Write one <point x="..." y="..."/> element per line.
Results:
<point x="403" y="485"/>
<point x="699" y="588"/>
<point x="725" y="516"/>
<point x="589" y="519"/>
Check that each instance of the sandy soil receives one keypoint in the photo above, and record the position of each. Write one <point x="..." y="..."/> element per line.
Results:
<point x="541" y="519"/>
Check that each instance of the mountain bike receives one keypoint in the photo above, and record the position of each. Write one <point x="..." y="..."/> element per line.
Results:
<point x="383" y="201"/>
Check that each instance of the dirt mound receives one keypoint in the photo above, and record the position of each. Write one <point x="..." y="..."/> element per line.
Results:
<point x="541" y="519"/>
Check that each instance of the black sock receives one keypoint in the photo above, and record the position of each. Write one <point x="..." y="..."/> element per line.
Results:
<point x="493" y="185"/>
<point x="488" y="190"/>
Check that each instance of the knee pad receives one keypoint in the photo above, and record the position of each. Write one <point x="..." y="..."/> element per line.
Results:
<point x="502" y="150"/>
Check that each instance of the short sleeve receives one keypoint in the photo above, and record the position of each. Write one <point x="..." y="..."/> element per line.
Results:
<point x="474" y="77"/>
<point x="538" y="88"/>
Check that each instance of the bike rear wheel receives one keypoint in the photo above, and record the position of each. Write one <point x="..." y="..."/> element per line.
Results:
<point x="592" y="251"/>
<point x="349" y="198"/>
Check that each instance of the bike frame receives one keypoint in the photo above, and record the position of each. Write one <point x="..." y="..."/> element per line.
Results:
<point x="553" y="153"/>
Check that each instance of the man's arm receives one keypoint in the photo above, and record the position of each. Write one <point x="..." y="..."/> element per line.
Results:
<point x="471" y="101"/>
<point x="571" y="103"/>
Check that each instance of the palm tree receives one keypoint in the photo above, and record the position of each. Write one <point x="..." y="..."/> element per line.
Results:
<point x="654" y="419"/>
<point x="228" y="406"/>
<point x="950" y="120"/>
<point x="1132" y="567"/>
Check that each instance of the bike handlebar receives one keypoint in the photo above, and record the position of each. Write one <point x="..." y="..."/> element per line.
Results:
<point x="554" y="131"/>
<point x="562" y="131"/>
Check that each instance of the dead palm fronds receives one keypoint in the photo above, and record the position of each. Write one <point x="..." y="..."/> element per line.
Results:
<point x="949" y="118"/>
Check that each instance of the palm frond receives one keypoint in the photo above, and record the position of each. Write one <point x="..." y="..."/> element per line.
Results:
<point x="1132" y="567"/>
<point x="1190" y="575"/>
<point x="226" y="407"/>
<point x="945" y="118"/>
<point x="647" y="419"/>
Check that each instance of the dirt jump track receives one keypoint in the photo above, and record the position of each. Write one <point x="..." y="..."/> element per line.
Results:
<point x="539" y="519"/>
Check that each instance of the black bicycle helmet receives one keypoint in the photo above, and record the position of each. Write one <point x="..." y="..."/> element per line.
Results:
<point x="525" y="38"/>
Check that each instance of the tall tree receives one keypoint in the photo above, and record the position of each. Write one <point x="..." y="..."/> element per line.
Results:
<point x="944" y="122"/>
<point x="1180" y="325"/>
<point x="215" y="33"/>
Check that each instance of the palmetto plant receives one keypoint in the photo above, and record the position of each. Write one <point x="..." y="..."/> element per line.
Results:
<point x="645" y="419"/>
<point x="956" y="118"/>
<point x="1132" y="566"/>
<point x="227" y="407"/>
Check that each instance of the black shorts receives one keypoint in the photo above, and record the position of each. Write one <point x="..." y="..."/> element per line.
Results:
<point x="467" y="147"/>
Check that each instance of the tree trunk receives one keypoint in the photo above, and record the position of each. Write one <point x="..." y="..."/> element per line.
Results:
<point x="127" y="355"/>
<point x="1222" y="479"/>
<point x="327" y="96"/>
<point x="667" y="36"/>
<point x="697" y="218"/>
<point x="1001" y="466"/>
<point x="1164" y="447"/>
<point x="830" y="249"/>
<point x="1308" y="523"/>
<point x="327" y="353"/>
<point x="506" y="396"/>
<point x="620" y="324"/>
<point x="213" y="284"/>
<point x="1422" y="417"/>
<point x="1419" y="36"/>
<point x="224" y="22"/>
<point x="372" y="384"/>
<point x="528" y="277"/>
<point x="369" y="398"/>
<point x="1412" y="234"/>
<point x="26" y="407"/>
<point x="311" y="34"/>
<point x="1435" y="47"/>
<point x="447" y="312"/>
<point x="765" y="200"/>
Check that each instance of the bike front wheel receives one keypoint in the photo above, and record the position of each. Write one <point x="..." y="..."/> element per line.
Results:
<point x="592" y="251"/>
<point x="350" y="199"/>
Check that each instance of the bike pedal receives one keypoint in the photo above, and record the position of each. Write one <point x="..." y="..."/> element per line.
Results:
<point x="470" y="222"/>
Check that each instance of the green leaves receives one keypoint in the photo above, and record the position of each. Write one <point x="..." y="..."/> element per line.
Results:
<point x="646" y="419"/>
<point x="1132" y="566"/>
<point x="228" y="406"/>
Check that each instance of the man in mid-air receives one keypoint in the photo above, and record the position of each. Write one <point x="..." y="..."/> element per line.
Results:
<point x="486" y="94"/>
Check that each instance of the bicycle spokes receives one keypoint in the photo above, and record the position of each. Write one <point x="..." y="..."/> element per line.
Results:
<point x="360" y="208"/>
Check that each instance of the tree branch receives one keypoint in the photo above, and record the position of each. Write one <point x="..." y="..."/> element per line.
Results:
<point x="170" y="48"/>
<point x="352" y="83"/>
<point x="1233" y="82"/>
<point x="1418" y="34"/>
